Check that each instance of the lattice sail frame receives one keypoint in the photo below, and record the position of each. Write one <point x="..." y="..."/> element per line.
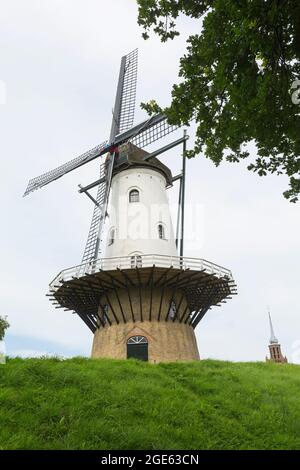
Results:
<point x="94" y="237"/>
<point x="153" y="133"/>
<point x="141" y="135"/>
<point x="123" y="117"/>
<point x="91" y="244"/>
<point x="52" y="175"/>
<point x="128" y="97"/>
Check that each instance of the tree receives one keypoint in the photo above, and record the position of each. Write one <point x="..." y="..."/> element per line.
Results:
<point x="3" y="326"/>
<point x="240" y="80"/>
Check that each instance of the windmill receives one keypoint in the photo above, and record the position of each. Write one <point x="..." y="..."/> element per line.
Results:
<point x="137" y="284"/>
<point x="122" y="131"/>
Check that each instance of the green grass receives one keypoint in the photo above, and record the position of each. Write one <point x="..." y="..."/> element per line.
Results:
<point x="104" y="404"/>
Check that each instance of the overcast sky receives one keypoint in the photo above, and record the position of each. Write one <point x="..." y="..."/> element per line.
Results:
<point x="59" y="65"/>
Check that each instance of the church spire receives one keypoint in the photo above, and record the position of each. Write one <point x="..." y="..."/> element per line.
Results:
<point x="274" y="346"/>
<point x="273" y="339"/>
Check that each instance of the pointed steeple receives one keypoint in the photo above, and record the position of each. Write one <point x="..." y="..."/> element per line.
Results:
<point x="273" y="339"/>
<point x="274" y="346"/>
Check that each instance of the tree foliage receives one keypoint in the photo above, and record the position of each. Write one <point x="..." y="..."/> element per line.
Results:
<point x="240" y="79"/>
<point x="3" y="326"/>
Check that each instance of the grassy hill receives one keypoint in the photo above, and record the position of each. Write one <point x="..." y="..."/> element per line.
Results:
<point x="103" y="404"/>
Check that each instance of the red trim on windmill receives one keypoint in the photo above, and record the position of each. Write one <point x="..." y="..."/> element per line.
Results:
<point x="114" y="148"/>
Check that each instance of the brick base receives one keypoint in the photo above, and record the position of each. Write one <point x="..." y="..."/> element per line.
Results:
<point x="167" y="341"/>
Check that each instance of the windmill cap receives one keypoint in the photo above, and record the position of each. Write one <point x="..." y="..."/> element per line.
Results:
<point x="131" y="156"/>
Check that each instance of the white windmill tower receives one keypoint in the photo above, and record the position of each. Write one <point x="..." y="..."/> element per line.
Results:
<point x="140" y="298"/>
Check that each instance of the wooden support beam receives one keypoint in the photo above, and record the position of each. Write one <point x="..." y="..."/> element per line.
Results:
<point x="151" y="293"/>
<point x="199" y="317"/>
<point x="161" y="300"/>
<point x="105" y="293"/>
<point x="170" y="280"/>
<point x="111" y="307"/>
<point x="151" y="275"/>
<point x="163" y="276"/>
<point x="187" y="279"/>
<point x="93" y="277"/>
<point x="87" y="322"/>
<point x="184" y="313"/>
<point x="140" y="292"/>
<point x="104" y="315"/>
<point x="84" y="317"/>
<point x="112" y="278"/>
<point x="194" y="315"/>
<point x="211" y="297"/>
<point x="128" y="280"/>
<point x="120" y="305"/>
<point x="96" y="293"/>
<point x="208" y="280"/>
<point x="172" y="299"/>
<point x="84" y="284"/>
<point x="179" y="305"/>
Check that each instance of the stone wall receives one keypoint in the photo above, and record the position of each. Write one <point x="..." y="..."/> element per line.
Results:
<point x="167" y="341"/>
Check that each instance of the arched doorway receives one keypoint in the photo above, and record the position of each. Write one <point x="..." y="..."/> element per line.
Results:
<point x="137" y="348"/>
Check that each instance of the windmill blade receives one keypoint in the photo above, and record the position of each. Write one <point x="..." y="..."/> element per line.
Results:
<point x="60" y="171"/>
<point x="152" y="132"/>
<point x="123" y="113"/>
<point x="147" y="132"/>
<point x="94" y="237"/>
<point x="123" y="116"/>
<point x="90" y="246"/>
<point x="126" y="116"/>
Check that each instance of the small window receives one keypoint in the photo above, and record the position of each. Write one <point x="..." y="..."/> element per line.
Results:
<point x="111" y="239"/>
<point x="172" y="311"/>
<point x="134" y="196"/>
<point x="161" y="232"/>
<point x="137" y="340"/>
<point x="136" y="261"/>
<point x="137" y="348"/>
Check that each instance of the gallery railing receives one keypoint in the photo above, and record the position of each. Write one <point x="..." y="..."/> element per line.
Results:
<point x="140" y="261"/>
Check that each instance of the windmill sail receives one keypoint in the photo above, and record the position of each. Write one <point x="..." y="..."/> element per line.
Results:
<point x="123" y="116"/>
<point x="150" y="130"/>
<point x="94" y="237"/>
<point x="153" y="132"/>
<point x="90" y="247"/>
<point x="52" y="175"/>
